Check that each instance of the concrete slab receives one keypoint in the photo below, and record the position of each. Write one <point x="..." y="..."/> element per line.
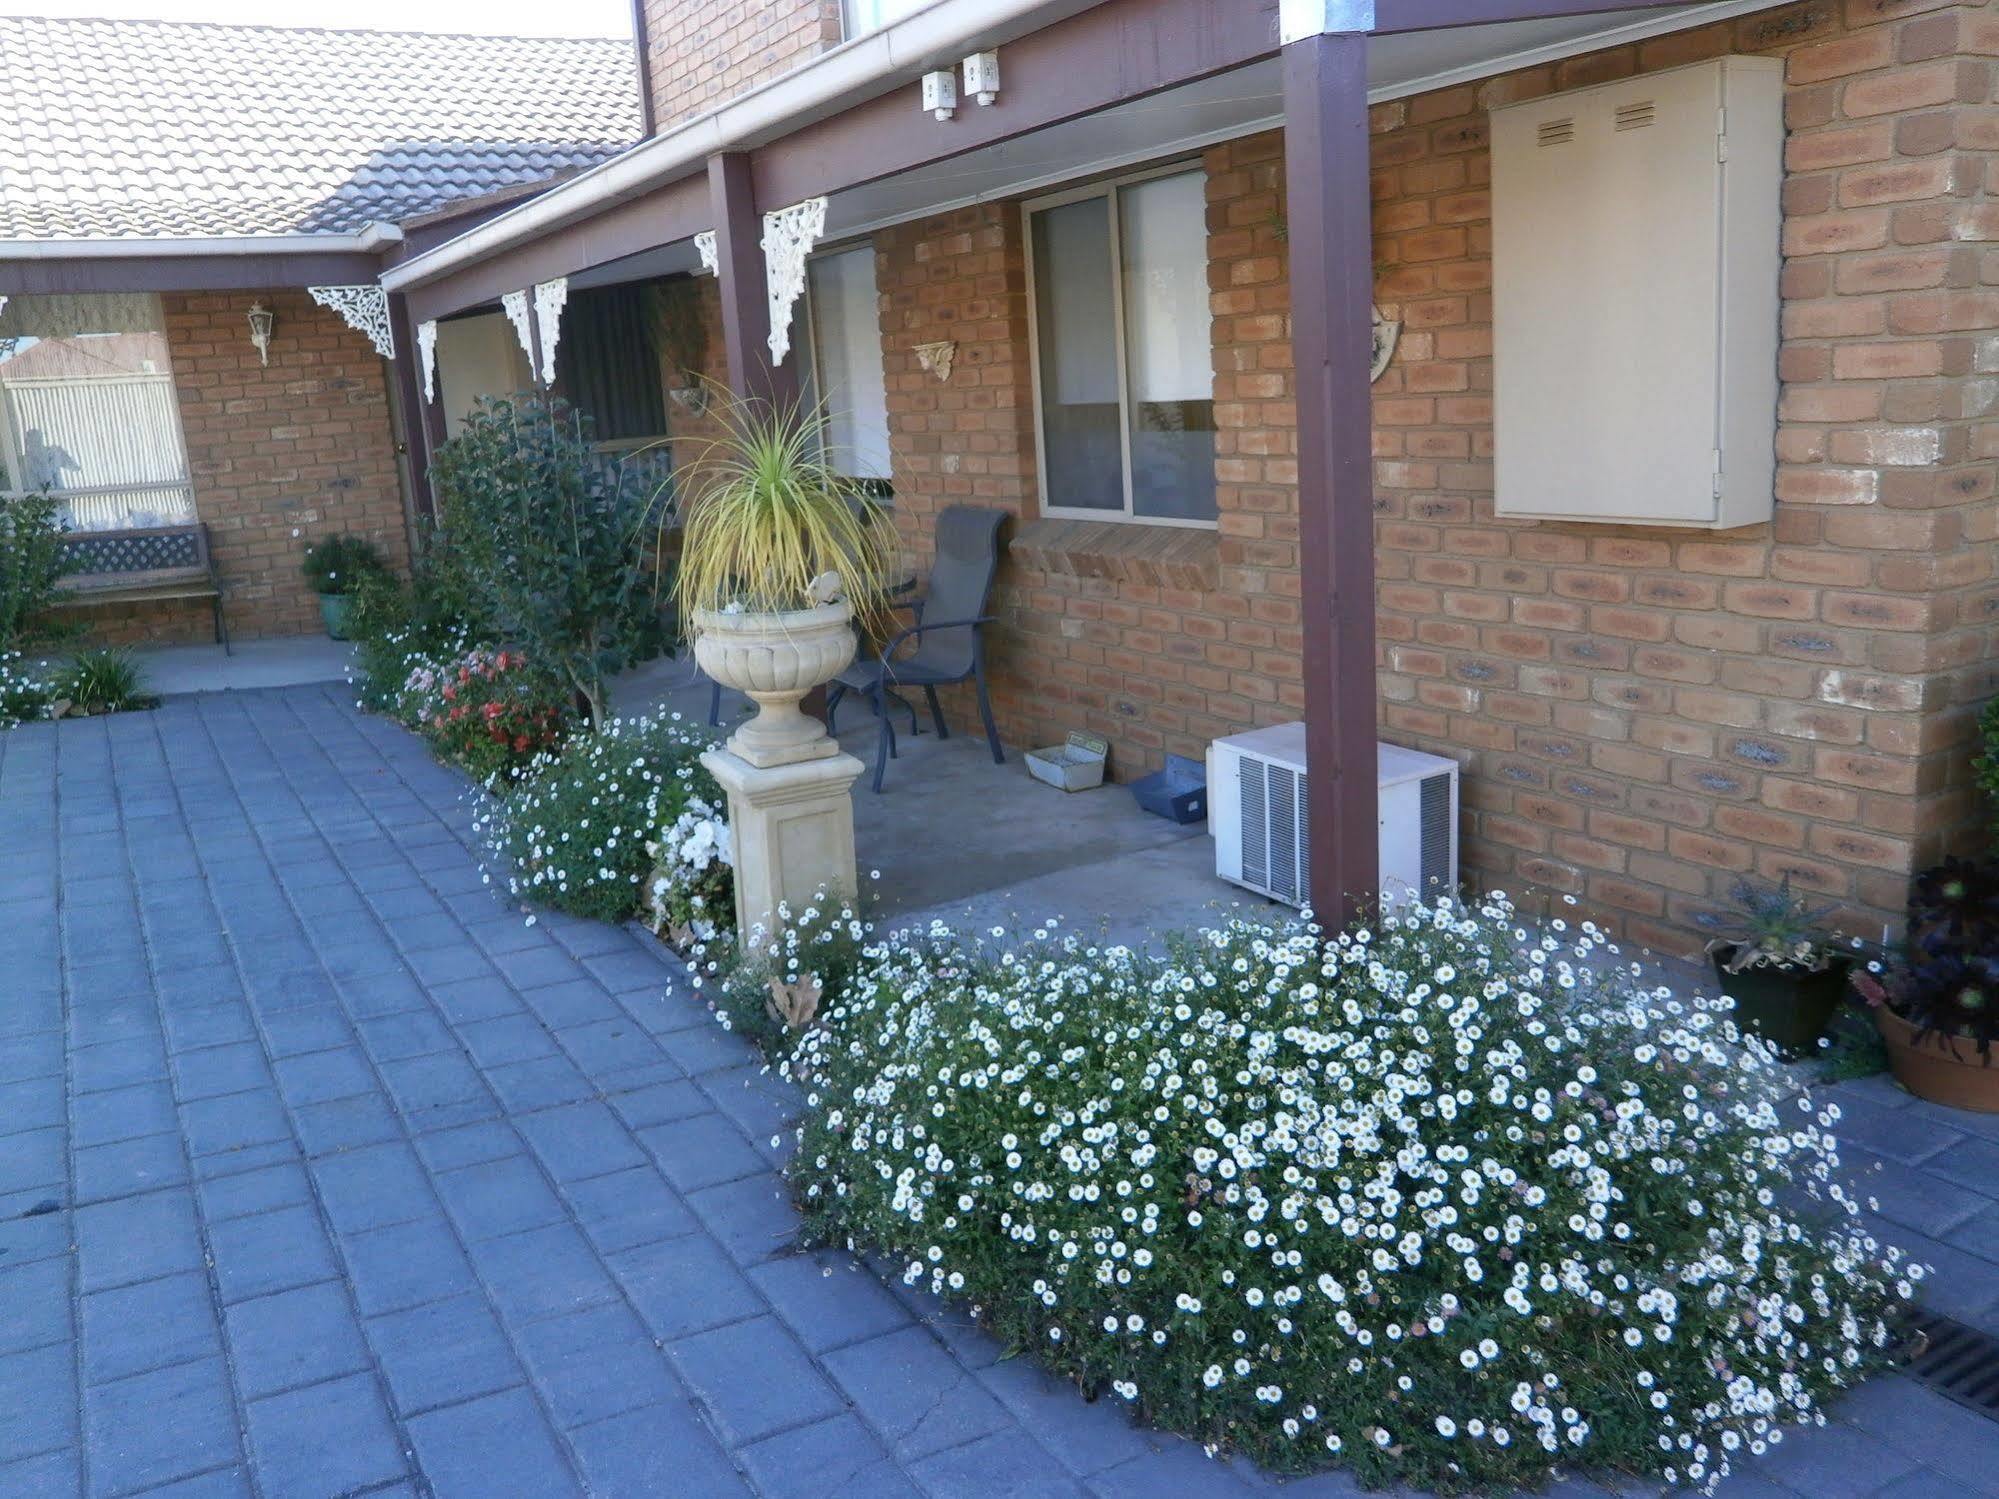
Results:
<point x="954" y="836"/>
<point x="283" y="661"/>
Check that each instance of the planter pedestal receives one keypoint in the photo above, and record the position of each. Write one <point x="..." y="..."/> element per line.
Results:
<point x="793" y="827"/>
<point x="790" y="785"/>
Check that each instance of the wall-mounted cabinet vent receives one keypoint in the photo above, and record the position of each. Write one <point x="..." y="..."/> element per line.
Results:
<point x="1635" y="298"/>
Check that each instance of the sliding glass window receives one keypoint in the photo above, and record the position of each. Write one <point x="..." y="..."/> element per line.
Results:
<point x="1124" y="363"/>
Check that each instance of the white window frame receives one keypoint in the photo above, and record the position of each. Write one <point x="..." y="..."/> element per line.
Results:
<point x="1105" y="188"/>
<point x="815" y="374"/>
<point x="13" y="484"/>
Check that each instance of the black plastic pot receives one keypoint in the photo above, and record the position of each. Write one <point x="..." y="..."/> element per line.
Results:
<point x="1789" y="1007"/>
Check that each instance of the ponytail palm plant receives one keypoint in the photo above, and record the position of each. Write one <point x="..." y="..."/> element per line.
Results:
<point x="767" y="517"/>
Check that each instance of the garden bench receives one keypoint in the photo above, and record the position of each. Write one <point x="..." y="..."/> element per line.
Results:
<point x="141" y="564"/>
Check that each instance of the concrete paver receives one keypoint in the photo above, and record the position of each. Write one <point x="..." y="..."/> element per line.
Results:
<point x="321" y="1172"/>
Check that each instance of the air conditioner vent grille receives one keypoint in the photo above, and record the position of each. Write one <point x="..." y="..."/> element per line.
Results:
<point x="1634" y="116"/>
<point x="1557" y="132"/>
<point x="1287" y="818"/>
<point x="1435" y="856"/>
<point x="1255" y="822"/>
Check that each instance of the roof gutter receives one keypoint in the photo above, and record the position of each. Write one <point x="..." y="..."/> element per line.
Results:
<point x="940" y="33"/>
<point x="367" y="240"/>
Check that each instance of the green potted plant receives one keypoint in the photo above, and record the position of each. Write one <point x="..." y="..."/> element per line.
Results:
<point x="335" y="567"/>
<point x="1936" y="998"/>
<point x="779" y="561"/>
<point x="1783" y="969"/>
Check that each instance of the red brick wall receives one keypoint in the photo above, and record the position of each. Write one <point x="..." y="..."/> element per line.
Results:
<point x="1649" y="715"/>
<point x="1644" y="715"/>
<point x="702" y="53"/>
<point x="279" y="456"/>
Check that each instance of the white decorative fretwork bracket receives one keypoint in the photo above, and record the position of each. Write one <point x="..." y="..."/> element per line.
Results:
<point x="365" y="309"/>
<point x="426" y="354"/>
<point x="711" y="256"/>
<point x="1385" y="335"/>
<point x="515" y="305"/>
<point x="789" y="235"/>
<point x="550" y="297"/>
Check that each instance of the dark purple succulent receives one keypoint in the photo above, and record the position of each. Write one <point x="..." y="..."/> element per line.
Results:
<point x="1945" y="982"/>
<point x="1958" y="900"/>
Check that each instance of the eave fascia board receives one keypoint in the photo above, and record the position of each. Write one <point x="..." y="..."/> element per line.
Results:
<point x="872" y="64"/>
<point x="1499" y="63"/>
<point x="848" y="74"/>
<point x="366" y="241"/>
<point x="1298" y="19"/>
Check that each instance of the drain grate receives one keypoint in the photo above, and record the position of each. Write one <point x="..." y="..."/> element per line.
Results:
<point x="1956" y="1361"/>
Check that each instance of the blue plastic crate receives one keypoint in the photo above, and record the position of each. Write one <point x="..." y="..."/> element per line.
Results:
<point x="1178" y="793"/>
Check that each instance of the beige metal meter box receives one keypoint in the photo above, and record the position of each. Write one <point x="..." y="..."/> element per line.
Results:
<point x="1635" y="256"/>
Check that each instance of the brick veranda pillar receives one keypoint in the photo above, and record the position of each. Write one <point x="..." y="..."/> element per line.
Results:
<point x="1332" y="295"/>
<point x="741" y="281"/>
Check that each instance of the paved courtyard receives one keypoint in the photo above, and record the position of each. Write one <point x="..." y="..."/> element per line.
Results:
<point x="322" y="1174"/>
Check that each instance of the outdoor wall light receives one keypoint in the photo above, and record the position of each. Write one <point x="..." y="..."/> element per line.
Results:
<point x="262" y="320"/>
<point x="940" y="93"/>
<point x="982" y="76"/>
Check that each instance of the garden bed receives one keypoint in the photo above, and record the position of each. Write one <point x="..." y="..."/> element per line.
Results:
<point x="989" y="1119"/>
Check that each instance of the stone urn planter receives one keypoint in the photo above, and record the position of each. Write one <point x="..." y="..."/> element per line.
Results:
<point x="775" y="659"/>
<point x="1943" y="1069"/>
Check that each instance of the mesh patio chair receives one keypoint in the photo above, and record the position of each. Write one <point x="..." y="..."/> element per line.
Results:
<point x="947" y="640"/>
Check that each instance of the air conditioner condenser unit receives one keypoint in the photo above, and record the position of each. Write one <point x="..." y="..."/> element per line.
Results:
<point x="1257" y="787"/>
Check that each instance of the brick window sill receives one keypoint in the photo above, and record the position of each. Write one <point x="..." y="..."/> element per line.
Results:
<point x="1121" y="551"/>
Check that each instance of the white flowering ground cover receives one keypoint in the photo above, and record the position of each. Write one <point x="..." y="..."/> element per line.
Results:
<point x="25" y="690"/>
<point x="573" y="832"/>
<point x="399" y="671"/>
<point x="1434" y="1201"/>
<point x="690" y="894"/>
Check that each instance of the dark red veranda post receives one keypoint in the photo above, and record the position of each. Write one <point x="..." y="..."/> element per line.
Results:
<point x="745" y="297"/>
<point x="1332" y="296"/>
<point x="420" y="439"/>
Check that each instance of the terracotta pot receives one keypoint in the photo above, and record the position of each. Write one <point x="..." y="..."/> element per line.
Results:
<point x="775" y="659"/>
<point x="1943" y="1069"/>
<point x="1788" y="1007"/>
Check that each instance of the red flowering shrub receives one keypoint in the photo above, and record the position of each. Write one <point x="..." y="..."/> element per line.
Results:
<point x="488" y="712"/>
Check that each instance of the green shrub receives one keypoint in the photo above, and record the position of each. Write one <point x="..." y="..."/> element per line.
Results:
<point x="341" y="564"/>
<point x="31" y="567"/>
<point x="104" y="679"/>
<point x="573" y="832"/>
<point x="1431" y="1201"/>
<point x="25" y="693"/>
<point x="396" y="634"/>
<point x="552" y="539"/>
<point x="1986" y="767"/>
<point x="443" y="593"/>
